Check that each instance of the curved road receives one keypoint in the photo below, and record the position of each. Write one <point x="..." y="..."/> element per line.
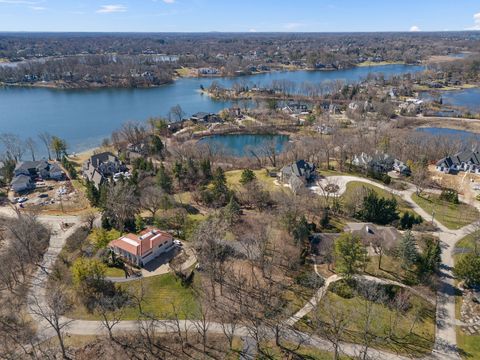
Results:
<point x="445" y="334"/>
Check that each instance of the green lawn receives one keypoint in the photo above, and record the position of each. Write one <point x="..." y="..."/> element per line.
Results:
<point x="271" y="351"/>
<point x="453" y="216"/>
<point x="391" y="268"/>
<point x="353" y="185"/>
<point x="234" y="176"/>
<point x="162" y="292"/>
<point x="469" y="345"/>
<point x="417" y="343"/>
<point x="114" y="272"/>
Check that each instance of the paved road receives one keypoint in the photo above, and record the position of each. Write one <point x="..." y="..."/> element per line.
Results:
<point x="445" y="335"/>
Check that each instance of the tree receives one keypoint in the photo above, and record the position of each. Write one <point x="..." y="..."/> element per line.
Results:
<point x="164" y="180"/>
<point x="247" y="176"/>
<point x="378" y="209"/>
<point x="52" y="310"/>
<point x="88" y="270"/>
<point x="154" y="198"/>
<point x="31" y="145"/>
<point x="176" y="113"/>
<point x="121" y="205"/>
<point x="468" y="269"/>
<point x="59" y="147"/>
<point x="13" y="145"/>
<point x="431" y="257"/>
<point x="232" y="211"/>
<point x="350" y="254"/>
<point x="46" y="138"/>
<point x="408" y="250"/>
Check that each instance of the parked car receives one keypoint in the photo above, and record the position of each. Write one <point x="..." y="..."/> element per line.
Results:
<point x="43" y="196"/>
<point x="22" y="200"/>
<point x="177" y="242"/>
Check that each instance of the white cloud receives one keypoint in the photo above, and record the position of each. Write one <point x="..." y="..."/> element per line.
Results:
<point x="293" y="25"/>
<point x="252" y="30"/>
<point x="415" y="28"/>
<point x="476" y="22"/>
<point x="18" y="2"/>
<point x="37" y="8"/>
<point x="169" y="1"/>
<point x="108" y="9"/>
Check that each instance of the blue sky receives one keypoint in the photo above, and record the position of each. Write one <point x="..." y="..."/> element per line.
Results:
<point x="239" y="15"/>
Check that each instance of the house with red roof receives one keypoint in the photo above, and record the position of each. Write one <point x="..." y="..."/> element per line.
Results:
<point x="144" y="247"/>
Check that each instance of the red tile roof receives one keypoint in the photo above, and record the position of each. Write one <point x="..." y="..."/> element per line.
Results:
<point x="143" y="243"/>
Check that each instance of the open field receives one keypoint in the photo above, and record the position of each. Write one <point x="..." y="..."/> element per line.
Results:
<point x="453" y="216"/>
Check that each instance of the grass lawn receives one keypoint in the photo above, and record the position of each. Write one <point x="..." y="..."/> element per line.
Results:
<point x="162" y="292"/>
<point x="468" y="242"/>
<point x="353" y="185"/>
<point x="391" y="268"/>
<point x="114" y="272"/>
<point x="469" y="345"/>
<point x="234" y="176"/>
<point x="379" y="63"/>
<point x="417" y="343"/>
<point x="453" y="216"/>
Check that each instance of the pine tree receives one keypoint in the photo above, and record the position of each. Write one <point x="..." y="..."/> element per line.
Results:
<point x="247" y="176"/>
<point x="232" y="211"/>
<point x="164" y="180"/>
<point x="408" y="250"/>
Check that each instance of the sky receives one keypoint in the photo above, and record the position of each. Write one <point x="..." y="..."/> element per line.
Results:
<point x="239" y="15"/>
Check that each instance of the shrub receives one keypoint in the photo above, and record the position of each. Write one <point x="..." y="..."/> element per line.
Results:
<point x="344" y="289"/>
<point x="449" y="195"/>
<point x="309" y="280"/>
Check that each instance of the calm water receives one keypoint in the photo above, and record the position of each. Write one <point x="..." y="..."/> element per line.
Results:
<point x="467" y="98"/>
<point x="451" y="133"/>
<point x="84" y="117"/>
<point x="243" y="144"/>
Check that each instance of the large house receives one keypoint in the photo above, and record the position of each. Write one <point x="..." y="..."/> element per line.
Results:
<point x="26" y="172"/>
<point x="468" y="161"/>
<point x="370" y="233"/>
<point x="142" y="248"/>
<point x="298" y="174"/>
<point x="100" y="167"/>
<point x="378" y="162"/>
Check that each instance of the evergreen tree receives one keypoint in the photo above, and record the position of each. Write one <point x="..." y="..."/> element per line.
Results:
<point x="432" y="256"/>
<point x="408" y="250"/>
<point x="247" y="176"/>
<point x="301" y="231"/>
<point x="206" y="169"/>
<point x="350" y="254"/>
<point x="92" y="193"/>
<point x="164" y="180"/>
<point x="378" y="209"/>
<point x="232" y="211"/>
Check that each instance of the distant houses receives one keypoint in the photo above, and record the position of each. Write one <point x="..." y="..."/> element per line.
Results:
<point x="467" y="161"/>
<point x="142" y="248"/>
<point x="298" y="175"/>
<point x="26" y="172"/>
<point x="100" y="167"/>
<point x="380" y="163"/>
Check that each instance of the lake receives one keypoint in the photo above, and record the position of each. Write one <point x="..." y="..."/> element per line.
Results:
<point x="85" y="117"/>
<point x="467" y="98"/>
<point x="241" y="145"/>
<point x="451" y="133"/>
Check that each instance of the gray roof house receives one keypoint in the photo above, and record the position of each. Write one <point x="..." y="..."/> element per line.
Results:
<point x="99" y="167"/>
<point x="369" y="233"/>
<point x="298" y="174"/>
<point x="22" y="183"/>
<point x="25" y="172"/>
<point x="468" y="161"/>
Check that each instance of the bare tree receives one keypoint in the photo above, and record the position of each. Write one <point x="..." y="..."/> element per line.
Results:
<point x="176" y="113"/>
<point x="111" y="310"/>
<point x="153" y="198"/>
<point x="121" y="204"/>
<point x="51" y="309"/>
<point x="14" y="146"/>
<point x="31" y="145"/>
<point x="46" y="139"/>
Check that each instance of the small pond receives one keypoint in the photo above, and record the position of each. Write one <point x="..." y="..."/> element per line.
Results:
<point x="244" y="145"/>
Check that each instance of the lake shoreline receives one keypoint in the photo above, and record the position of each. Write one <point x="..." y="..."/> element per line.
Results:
<point x="62" y="85"/>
